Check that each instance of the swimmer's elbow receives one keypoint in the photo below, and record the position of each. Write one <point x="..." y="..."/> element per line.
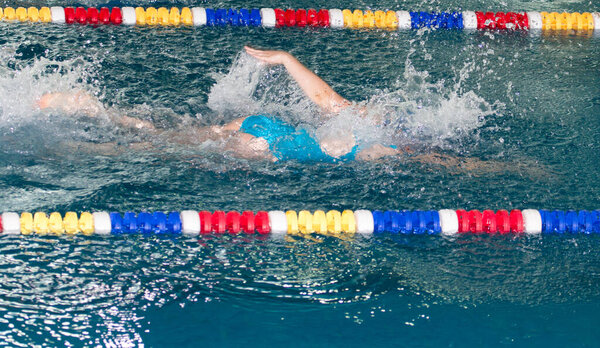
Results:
<point x="334" y="103"/>
<point x="339" y="105"/>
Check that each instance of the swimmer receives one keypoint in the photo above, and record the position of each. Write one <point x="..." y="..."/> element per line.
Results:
<point x="267" y="137"/>
<point x="257" y="136"/>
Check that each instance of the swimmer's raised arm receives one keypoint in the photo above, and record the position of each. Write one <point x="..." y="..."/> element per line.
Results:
<point x="315" y="88"/>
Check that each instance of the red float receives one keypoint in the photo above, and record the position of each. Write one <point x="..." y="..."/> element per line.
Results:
<point x="463" y="221"/>
<point x="502" y="221"/>
<point x="279" y="17"/>
<point x="205" y="222"/>
<point x="323" y="16"/>
<point x="247" y="222"/>
<point x="516" y="221"/>
<point x="522" y="21"/>
<point x="81" y="15"/>
<point x="301" y="18"/>
<point x="1" y="226"/>
<point x="69" y="15"/>
<point x="219" y="225"/>
<point x="312" y="18"/>
<point x="232" y="221"/>
<point x="104" y="15"/>
<point x="489" y="221"/>
<point x="511" y="20"/>
<point x="480" y="20"/>
<point x="261" y="220"/>
<point x="92" y="15"/>
<point x="500" y="20"/>
<point x="116" y="16"/>
<point x="475" y="221"/>
<point x="290" y="18"/>
<point x="490" y="20"/>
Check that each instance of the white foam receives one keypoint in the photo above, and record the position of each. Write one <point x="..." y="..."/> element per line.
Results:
<point x="20" y="88"/>
<point x="251" y="87"/>
<point x="420" y="111"/>
<point x="233" y="91"/>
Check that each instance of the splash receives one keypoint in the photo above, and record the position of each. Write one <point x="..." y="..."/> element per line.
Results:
<point x="22" y="82"/>
<point x="233" y="92"/>
<point x="250" y="87"/>
<point x="432" y="113"/>
<point x="416" y="110"/>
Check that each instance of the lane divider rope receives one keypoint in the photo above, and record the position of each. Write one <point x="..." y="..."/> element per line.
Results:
<point x="332" y="222"/>
<point x="334" y="18"/>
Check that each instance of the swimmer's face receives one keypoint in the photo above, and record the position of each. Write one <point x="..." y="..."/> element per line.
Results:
<point x="338" y="145"/>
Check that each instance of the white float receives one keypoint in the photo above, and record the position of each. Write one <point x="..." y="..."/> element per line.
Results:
<point x="278" y="222"/>
<point x="267" y="17"/>
<point x="364" y="222"/>
<point x="58" y="14"/>
<point x="102" y="223"/>
<point x="198" y="16"/>
<point x="532" y="221"/>
<point x="190" y="222"/>
<point x="448" y="221"/>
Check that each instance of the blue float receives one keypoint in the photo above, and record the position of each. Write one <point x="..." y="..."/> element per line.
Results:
<point x="595" y="220"/>
<point x="571" y="222"/>
<point x="406" y="222"/>
<point x="585" y="222"/>
<point x="558" y="219"/>
<point x="378" y="221"/>
<point x="392" y="221"/>
<point x="116" y="223"/>
<point x="144" y="222"/>
<point x="244" y="17"/>
<point x="435" y="227"/>
<point x="458" y="20"/>
<point x="210" y="17"/>
<point x="159" y="222"/>
<point x="233" y="18"/>
<point x="129" y="222"/>
<point x="221" y="17"/>
<point x="546" y="221"/>
<point x="255" y="18"/>
<point x="174" y="223"/>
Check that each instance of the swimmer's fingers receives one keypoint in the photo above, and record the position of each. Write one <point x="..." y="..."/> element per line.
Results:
<point x="269" y="57"/>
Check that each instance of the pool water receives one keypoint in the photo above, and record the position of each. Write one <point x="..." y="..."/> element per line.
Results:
<point x="516" y="114"/>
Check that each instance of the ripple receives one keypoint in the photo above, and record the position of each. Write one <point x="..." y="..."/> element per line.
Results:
<point x="68" y="287"/>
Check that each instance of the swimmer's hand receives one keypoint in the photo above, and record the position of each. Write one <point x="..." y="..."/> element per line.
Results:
<point x="80" y="102"/>
<point x="269" y="57"/>
<point x="71" y="103"/>
<point x="315" y="88"/>
<point x="376" y="152"/>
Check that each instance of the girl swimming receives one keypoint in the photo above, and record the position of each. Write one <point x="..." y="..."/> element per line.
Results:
<point x="258" y="136"/>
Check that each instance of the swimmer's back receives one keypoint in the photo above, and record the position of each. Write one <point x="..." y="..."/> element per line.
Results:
<point x="288" y="143"/>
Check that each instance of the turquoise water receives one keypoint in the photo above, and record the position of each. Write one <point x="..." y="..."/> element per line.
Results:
<point x="519" y="113"/>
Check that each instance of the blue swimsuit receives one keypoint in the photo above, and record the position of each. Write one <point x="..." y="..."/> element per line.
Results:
<point x="289" y="143"/>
